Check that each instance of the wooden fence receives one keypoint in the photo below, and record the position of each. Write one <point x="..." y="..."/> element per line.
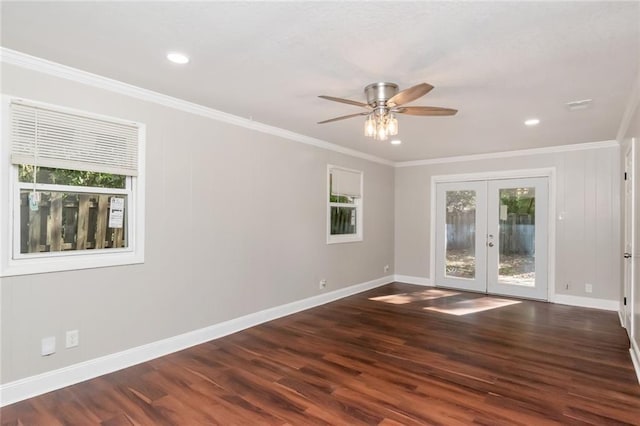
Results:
<point x="342" y="220"/>
<point x="68" y="221"/>
<point x="517" y="233"/>
<point x="461" y="230"/>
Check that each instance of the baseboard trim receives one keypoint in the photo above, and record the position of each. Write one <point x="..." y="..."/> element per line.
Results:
<point x="587" y="302"/>
<point x="46" y="382"/>
<point x="634" y="350"/>
<point x="413" y="280"/>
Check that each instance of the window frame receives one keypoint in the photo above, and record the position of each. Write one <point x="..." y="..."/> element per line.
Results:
<point x="12" y="262"/>
<point x="358" y="205"/>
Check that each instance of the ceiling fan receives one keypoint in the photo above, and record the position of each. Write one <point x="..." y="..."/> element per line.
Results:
<point x="383" y="102"/>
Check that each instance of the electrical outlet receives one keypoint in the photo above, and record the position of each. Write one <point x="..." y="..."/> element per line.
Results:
<point x="73" y="338"/>
<point x="323" y="284"/>
<point x="588" y="288"/>
<point x="48" y="346"/>
<point x="386" y="268"/>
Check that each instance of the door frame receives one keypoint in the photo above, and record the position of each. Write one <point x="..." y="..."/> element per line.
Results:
<point x="628" y="312"/>
<point x="548" y="172"/>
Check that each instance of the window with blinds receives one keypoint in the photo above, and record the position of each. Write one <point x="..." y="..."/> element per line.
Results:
<point x="75" y="175"/>
<point x="344" y="213"/>
<point x="45" y="137"/>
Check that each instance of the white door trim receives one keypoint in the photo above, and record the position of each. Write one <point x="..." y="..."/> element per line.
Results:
<point x="630" y="151"/>
<point x="549" y="172"/>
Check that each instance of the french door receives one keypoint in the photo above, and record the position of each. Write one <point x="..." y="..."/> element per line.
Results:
<point x="491" y="236"/>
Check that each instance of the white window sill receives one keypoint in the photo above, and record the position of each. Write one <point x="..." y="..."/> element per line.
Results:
<point x="39" y="265"/>
<point x="339" y="239"/>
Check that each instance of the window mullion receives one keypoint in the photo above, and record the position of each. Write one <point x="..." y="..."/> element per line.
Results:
<point x="352" y="205"/>
<point x="73" y="188"/>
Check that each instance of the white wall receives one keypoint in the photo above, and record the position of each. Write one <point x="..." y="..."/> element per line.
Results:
<point x="235" y="223"/>
<point x="587" y="238"/>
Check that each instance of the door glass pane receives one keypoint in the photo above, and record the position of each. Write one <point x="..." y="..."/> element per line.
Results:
<point x="461" y="234"/>
<point x="517" y="236"/>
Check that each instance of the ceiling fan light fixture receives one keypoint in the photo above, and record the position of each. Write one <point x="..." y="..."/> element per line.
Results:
<point x="381" y="124"/>
<point x="369" y="126"/>
<point x="382" y="134"/>
<point x="532" y="122"/>
<point x="392" y="126"/>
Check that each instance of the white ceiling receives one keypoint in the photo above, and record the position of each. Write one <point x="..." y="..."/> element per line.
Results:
<point x="498" y="63"/>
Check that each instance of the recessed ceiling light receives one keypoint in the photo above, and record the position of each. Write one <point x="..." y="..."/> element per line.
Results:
<point x="532" y="122"/>
<point x="178" y="58"/>
<point x="396" y="142"/>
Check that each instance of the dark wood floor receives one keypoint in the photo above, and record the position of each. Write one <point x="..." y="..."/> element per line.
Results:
<point x="362" y="361"/>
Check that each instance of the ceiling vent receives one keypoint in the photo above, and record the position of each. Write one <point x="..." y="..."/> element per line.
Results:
<point x="576" y="105"/>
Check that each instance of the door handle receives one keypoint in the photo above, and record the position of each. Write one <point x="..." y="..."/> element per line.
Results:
<point x="627" y="255"/>
<point x="490" y="244"/>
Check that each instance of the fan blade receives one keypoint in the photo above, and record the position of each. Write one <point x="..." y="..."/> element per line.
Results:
<point x="410" y="94"/>
<point x="425" y="110"/>
<point x="343" y="117"/>
<point x="344" y="101"/>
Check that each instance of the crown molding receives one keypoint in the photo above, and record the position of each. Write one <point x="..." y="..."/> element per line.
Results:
<point x="632" y="104"/>
<point x="13" y="57"/>
<point x="55" y="69"/>
<point x="506" y="154"/>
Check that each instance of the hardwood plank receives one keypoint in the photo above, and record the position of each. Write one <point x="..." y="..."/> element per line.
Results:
<point x="359" y="361"/>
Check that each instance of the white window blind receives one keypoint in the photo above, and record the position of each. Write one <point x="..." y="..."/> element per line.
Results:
<point x="49" y="138"/>
<point x="345" y="183"/>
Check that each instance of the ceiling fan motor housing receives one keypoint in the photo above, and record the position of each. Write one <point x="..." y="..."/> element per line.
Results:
<point x="379" y="93"/>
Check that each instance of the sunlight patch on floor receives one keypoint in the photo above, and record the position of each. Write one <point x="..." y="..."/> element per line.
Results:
<point x="472" y="306"/>
<point x="525" y="280"/>
<point x="416" y="296"/>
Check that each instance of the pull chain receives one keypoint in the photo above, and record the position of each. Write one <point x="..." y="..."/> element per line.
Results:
<point x="34" y="196"/>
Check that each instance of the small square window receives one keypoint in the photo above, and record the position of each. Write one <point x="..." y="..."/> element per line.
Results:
<point x="344" y="201"/>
